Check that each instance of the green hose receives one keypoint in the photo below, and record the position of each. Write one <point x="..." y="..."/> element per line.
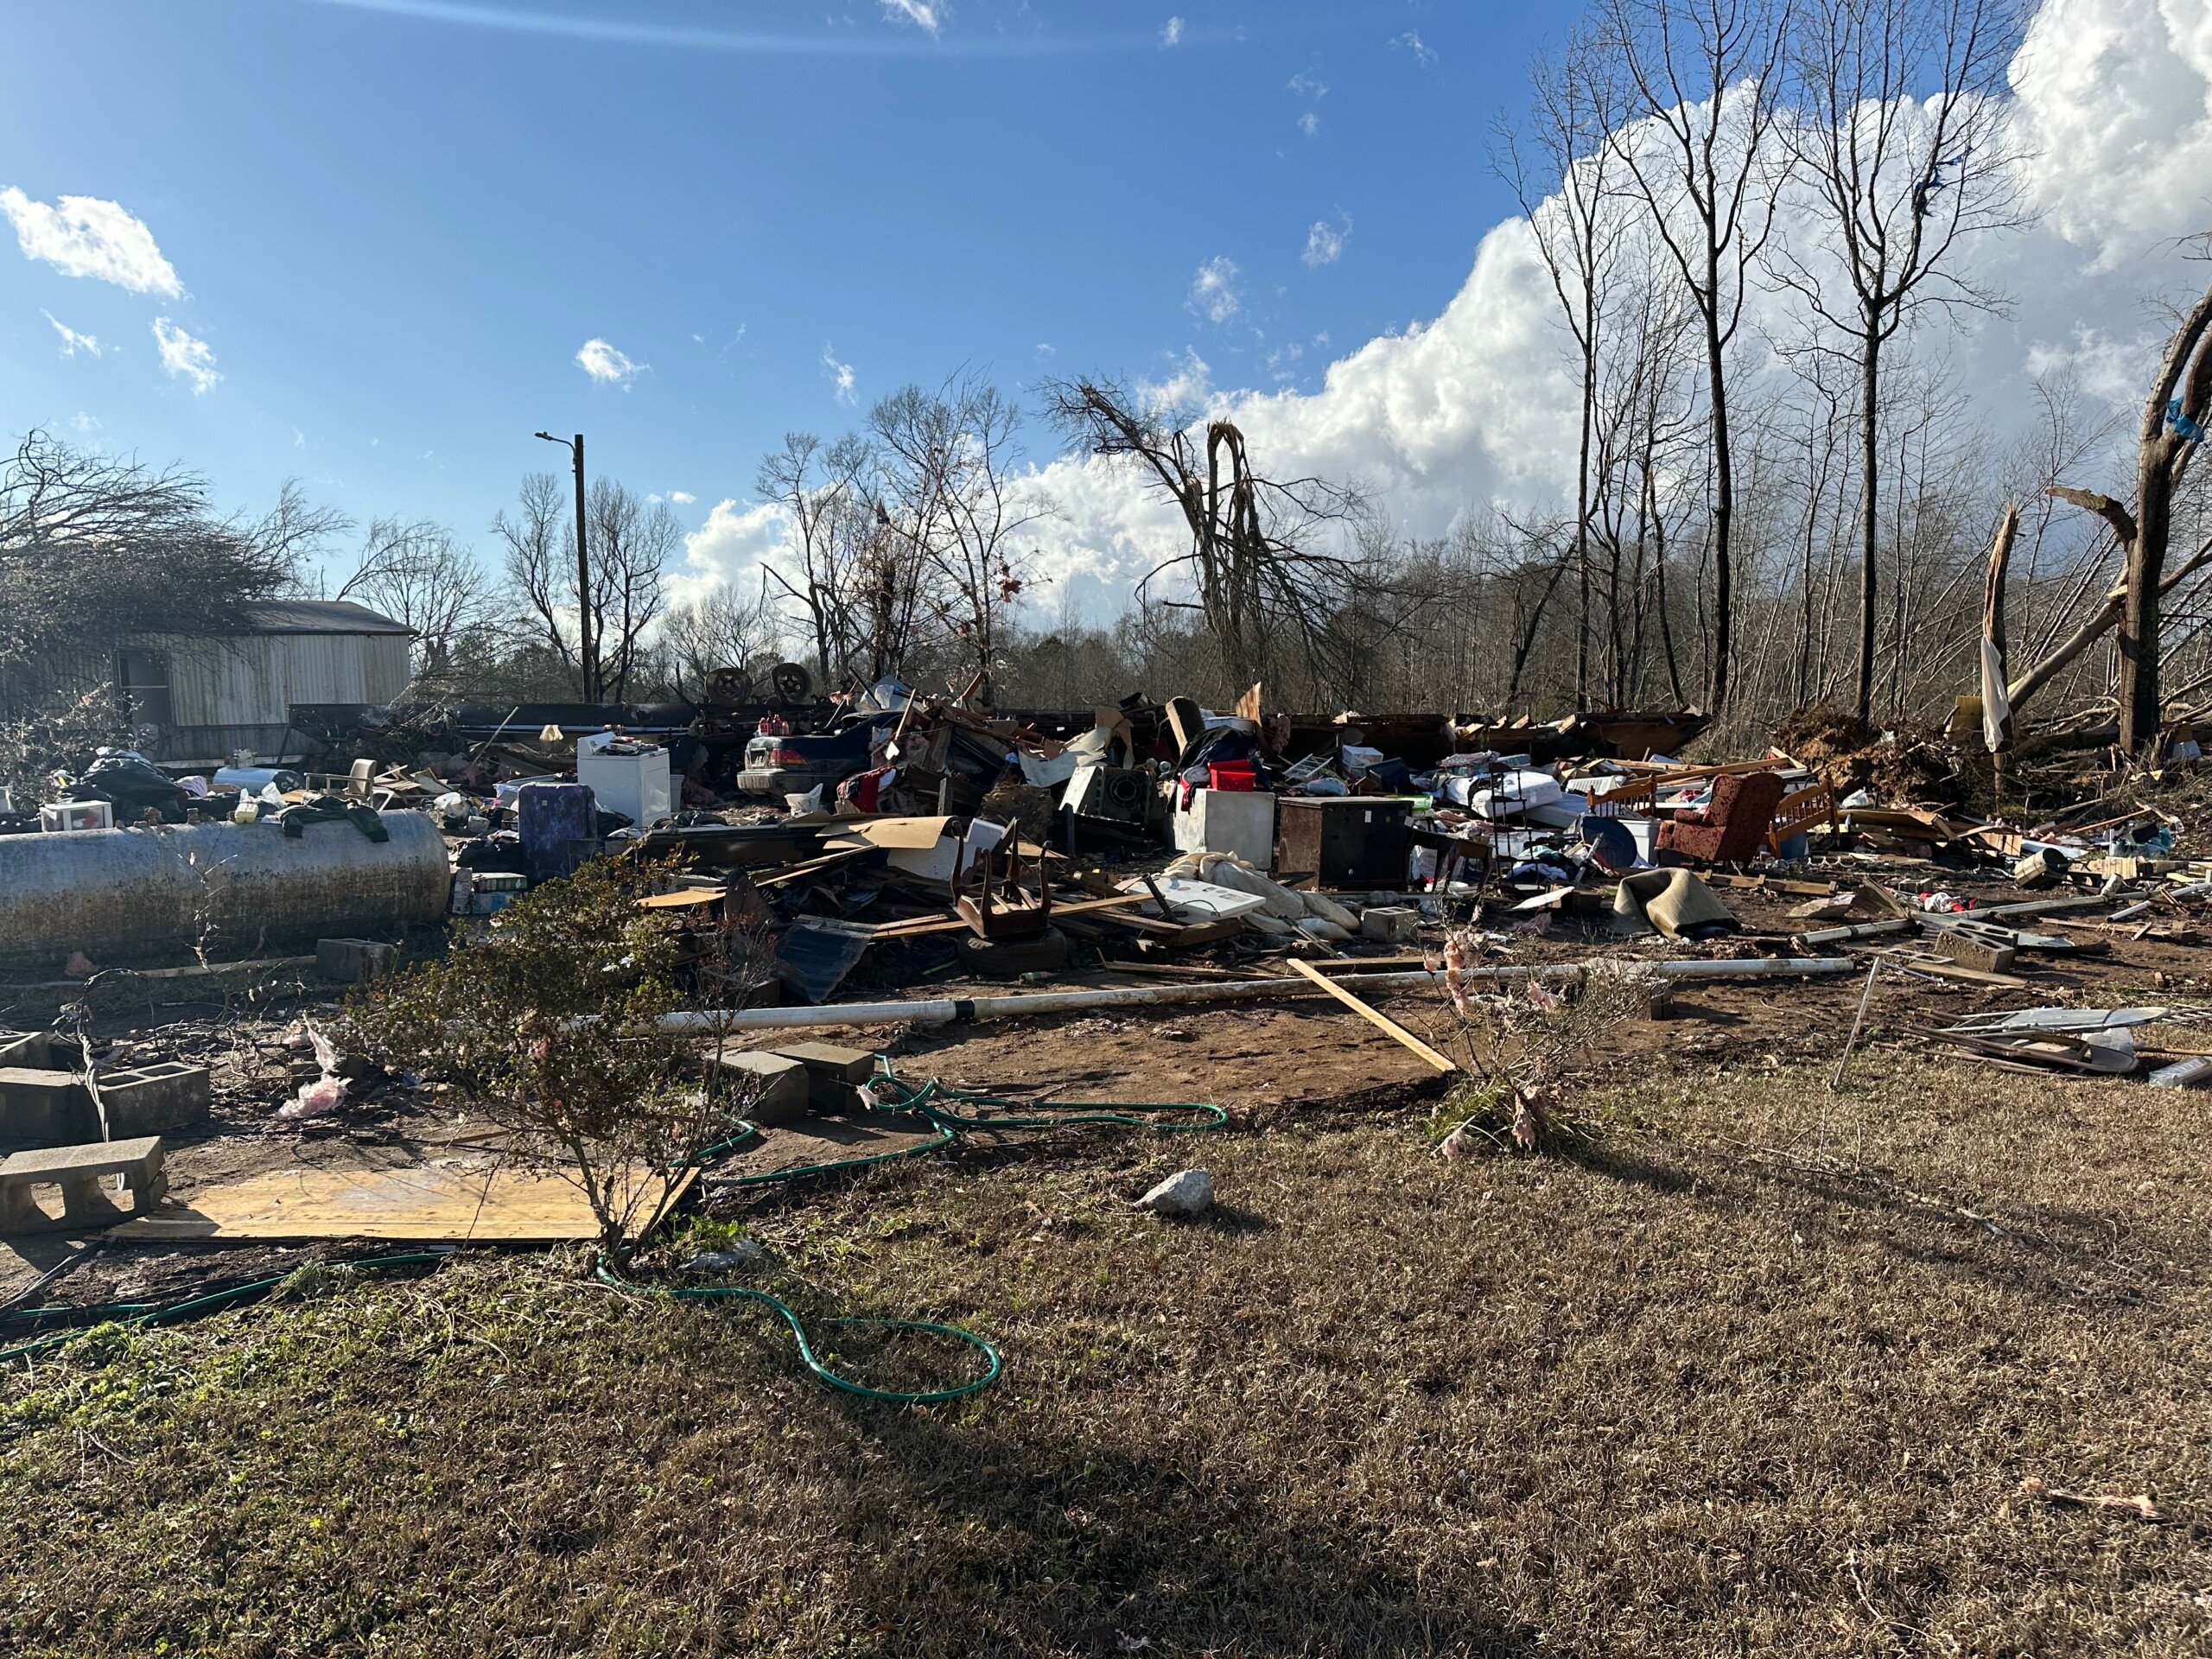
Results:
<point x="142" y="1314"/>
<point x="992" y="1364"/>
<point x="904" y="1099"/>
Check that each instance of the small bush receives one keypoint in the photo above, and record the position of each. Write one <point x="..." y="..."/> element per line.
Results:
<point x="550" y="1025"/>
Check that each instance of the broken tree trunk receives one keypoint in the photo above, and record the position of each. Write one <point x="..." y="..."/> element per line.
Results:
<point x="2172" y="425"/>
<point x="2102" y="623"/>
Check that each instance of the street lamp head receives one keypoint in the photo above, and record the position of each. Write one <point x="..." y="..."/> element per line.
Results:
<point x="549" y="438"/>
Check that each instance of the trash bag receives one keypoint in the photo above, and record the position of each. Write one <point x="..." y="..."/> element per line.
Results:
<point x="131" y="783"/>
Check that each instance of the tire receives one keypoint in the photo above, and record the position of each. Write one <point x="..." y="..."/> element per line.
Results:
<point x="1012" y="959"/>
<point x="791" y="682"/>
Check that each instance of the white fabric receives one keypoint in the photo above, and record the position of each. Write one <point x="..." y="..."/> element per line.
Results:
<point x="1996" y="711"/>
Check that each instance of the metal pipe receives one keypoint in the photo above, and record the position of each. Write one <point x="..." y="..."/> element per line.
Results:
<point x="946" y="1010"/>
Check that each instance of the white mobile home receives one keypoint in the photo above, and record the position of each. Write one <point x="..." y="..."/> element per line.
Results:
<point x="204" y="696"/>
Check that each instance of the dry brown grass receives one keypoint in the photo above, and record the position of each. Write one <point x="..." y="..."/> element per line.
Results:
<point x="1756" y="1372"/>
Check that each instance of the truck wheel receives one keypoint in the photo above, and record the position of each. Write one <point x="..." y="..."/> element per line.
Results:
<point x="1011" y="959"/>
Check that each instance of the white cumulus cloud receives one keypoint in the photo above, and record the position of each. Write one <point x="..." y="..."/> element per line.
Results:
<point x="604" y="364"/>
<point x="1170" y="32"/>
<point x="1324" y="242"/>
<point x="72" y="341"/>
<point x="928" y="15"/>
<point x="85" y="236"/>
<point x="731" y="548"/>
<point x="184" y="356"/>
<point x="681" y="498"/>
<point x="1309" y="123"/>
<point x="2114" y="100"/>
<point x="841" y="375"/>
<point x="1423" y="54"/>
<point x="1476" y="407"/>
<point x="1214" y="293"/>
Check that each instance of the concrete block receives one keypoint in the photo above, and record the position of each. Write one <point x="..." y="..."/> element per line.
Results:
<point x="781" y="1085"/>
<point x="1392" y="925"/>
<point x="44" y="1105"/>
<point x="834" y="1074"/>
<point x="76" y="1172"/>
<point x="24" y="1048"/>
<point x="168" y="1095"/>
<point x="355" y="960"/>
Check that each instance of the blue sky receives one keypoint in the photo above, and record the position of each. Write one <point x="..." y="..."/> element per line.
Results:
<point x="394" y="223"/>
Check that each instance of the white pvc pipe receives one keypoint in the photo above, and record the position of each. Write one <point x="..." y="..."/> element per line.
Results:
<point x="945" y="1011"/>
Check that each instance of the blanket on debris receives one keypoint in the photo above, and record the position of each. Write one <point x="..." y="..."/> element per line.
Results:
<point x="331" y="809"/>
<point x="1673" y="901"/>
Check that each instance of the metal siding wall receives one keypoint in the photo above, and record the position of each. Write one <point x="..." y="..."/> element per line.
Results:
<point x="389" y="666"/>
<point x="253" y="681"/>
<point x="223" y="681"/>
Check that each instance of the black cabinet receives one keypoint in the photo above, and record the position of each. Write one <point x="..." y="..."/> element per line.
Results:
<point x="1343" y="840"/>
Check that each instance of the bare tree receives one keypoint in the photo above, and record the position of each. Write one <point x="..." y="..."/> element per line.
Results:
<point x="948" y="476"/>
<point x="93" y="550"/>
<point x="720" y="628"/>
<point x="540" y="552"/>
<point x="417" y="573"/>
<point x="1900" y="145"/>
<point x="1259" y="557"/>
<point x="821" y="489"/>
<point x="1705" y="83"/>
<point x="629" y="545"/>
<point x="632" y="542"/>
<point x="1562" y="181"/>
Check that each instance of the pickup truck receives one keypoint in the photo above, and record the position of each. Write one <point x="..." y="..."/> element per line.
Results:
<point x="793" y="765"/>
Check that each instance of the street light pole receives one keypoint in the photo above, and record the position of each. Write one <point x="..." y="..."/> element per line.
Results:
<point x="585" y="655"/>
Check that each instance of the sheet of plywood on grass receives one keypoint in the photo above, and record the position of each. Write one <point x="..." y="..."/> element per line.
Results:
<point x="425" y="1204"/>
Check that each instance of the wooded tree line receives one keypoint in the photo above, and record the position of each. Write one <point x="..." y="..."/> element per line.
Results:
<point x="1759" y="219"/>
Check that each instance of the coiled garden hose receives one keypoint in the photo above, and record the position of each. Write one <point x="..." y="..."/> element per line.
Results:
<point x="897" y="1098"/>
<point x="992" y="1364"/>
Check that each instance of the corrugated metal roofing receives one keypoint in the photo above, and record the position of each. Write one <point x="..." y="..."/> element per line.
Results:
<point x="320" y="616"/>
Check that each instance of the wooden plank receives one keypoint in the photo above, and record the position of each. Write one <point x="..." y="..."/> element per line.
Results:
<point x="422" y="1205"/>
<point x="810" y="866"/>
<point x="684" y="899"/>
<point x="915" y="929"/>
<point x="1382" y="1022"/>
<point x="1926" y="962"/>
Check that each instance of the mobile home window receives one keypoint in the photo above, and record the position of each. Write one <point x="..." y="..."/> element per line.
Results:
<point x="143" y="678"/>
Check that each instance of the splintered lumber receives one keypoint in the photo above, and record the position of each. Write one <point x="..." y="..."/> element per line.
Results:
<point x="1375" y="1017"/>
<point x="914" y="928"/>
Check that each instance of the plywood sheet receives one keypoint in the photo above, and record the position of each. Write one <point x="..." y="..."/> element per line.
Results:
<point x="456" y="1205"/>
